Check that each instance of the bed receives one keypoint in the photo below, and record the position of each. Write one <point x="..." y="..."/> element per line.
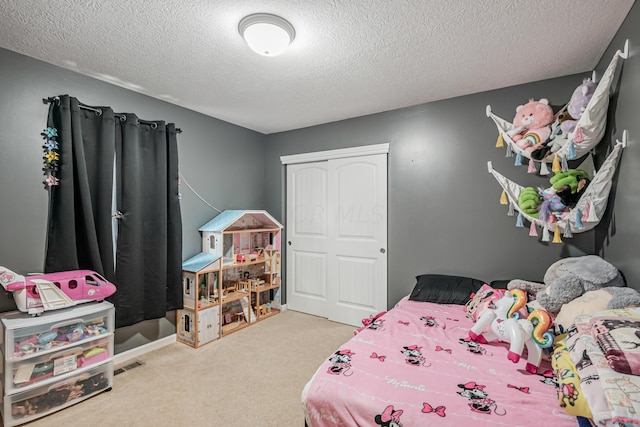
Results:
<point x="415" y="366"/>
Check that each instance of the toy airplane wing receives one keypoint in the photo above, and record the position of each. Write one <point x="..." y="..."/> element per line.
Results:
<point x="51" y="296"/>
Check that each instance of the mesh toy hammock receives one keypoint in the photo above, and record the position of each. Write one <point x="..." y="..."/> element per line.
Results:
<point x="588" y="132"/>
<point x="583" y="217"/>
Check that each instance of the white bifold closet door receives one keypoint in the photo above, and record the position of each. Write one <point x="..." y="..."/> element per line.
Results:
<point x="336" y="229"/>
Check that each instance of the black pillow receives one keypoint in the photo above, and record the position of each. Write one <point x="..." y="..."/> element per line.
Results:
<point x="500" y="284"/>
<point x="444" y="289"/>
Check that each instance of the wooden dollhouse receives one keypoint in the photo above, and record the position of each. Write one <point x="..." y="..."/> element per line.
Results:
<point x="235" y="280"/>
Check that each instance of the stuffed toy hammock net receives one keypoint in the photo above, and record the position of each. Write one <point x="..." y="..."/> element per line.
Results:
<point x="584" y="216"/>
<point x="588" y="132"/>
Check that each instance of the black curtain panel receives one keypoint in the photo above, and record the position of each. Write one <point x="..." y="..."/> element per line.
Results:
<point x="105" y="154"/>
<point x="149" y="242"/>
<point x="79" y="231"/>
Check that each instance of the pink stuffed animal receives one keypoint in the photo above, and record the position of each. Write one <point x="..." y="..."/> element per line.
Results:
<point x="532" y="124"/>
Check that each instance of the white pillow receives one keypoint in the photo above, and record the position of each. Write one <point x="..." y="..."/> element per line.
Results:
<point x="588" y="303"/>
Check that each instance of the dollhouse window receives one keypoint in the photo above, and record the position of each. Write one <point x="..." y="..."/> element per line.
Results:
<point x="228" y="245"/>
<point x="186" y="323"/>
<point x="212" y="242"/>
<point x="73" y="284"/>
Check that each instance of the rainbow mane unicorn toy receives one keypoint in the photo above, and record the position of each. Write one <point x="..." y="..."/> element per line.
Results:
<point x="503" y="318"/>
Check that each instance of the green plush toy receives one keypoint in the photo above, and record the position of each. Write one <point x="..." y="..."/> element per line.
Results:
<point x="572" y="178"/>
<point x="529" y="201"/>
<point x="570" y="185"/>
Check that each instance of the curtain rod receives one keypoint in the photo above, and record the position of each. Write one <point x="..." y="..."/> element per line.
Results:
<point x="98" y="111"/>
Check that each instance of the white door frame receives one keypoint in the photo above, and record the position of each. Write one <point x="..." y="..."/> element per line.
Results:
<point x="339" y="153"/>
<point x="323" y="156"/>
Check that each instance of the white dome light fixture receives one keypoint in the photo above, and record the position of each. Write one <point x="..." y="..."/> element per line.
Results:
<point x="266" y="34"/>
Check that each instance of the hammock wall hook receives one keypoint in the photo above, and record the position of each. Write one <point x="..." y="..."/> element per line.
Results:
<point x="625" y="50"/>
<point x="624" y="54"/>
<point x="625" y="136"/>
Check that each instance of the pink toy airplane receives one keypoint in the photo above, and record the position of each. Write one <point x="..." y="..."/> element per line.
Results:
<point x="34" y="294"/>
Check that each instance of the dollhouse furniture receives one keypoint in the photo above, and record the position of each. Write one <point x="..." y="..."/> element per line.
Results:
<point x="237" y="270"/>
<point x="54" y="360"/>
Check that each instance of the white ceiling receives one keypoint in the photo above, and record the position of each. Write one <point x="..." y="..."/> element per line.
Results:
<point x="349" y="58"/>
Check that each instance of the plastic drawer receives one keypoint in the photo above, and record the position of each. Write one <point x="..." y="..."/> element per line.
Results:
<point x="29" y="405"/>
<point x="48" y="368"/>
<point x="27" y="335"/>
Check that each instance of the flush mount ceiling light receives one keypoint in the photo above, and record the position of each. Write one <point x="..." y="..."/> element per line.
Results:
<point x="266" y="34"/>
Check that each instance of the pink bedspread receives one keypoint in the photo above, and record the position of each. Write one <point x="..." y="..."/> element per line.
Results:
<point x="415" y="367"/>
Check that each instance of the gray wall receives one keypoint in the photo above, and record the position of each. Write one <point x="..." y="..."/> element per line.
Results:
<point x="444" y="215"/>
<point x="223" y="162"/>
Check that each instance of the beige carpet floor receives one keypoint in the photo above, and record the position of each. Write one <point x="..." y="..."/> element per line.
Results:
<point x="253" y="377"/>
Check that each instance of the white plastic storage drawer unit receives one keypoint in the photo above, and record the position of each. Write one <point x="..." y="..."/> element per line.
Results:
<point x="28" y="405"/>
<point x="46" y="356"/>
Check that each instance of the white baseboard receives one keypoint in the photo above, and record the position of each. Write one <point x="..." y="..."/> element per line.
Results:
<point x="123" y="357"/>
<point x="128" y="355"/>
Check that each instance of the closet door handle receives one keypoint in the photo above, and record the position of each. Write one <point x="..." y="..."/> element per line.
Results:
<point x="289" y="242"/>
<point x="382" y="250"/>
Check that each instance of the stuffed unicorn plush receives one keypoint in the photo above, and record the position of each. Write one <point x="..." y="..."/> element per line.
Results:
<point x="503" y="318"/>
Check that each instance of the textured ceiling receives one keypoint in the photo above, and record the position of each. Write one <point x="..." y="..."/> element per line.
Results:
<point x="350" y="57"/>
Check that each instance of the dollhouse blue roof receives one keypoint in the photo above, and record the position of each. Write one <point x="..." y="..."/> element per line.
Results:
<point x="228" y="217"/>
<point x="222" y="221"/>
<point x="199" y="261"/>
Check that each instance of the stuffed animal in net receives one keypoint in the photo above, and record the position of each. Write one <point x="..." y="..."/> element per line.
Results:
<point x="529" y="201"/>
<point x="532" y="124"/>
<point x="568" y="279"/>
<point x="566" y="189"/>
<point x="570" y="185"/>
<point x="552" y="208"/>
<point x="566" y="121"/>
<point x="578" y="104"/>
<point x="556" y="140"/>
